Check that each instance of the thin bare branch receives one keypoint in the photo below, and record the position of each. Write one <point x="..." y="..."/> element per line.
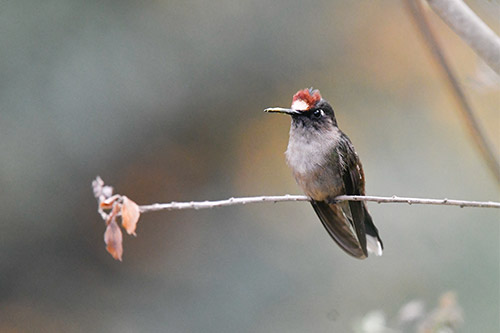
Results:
<point x="105" y="198"/>
<point x="485" y="147"/>
<point x="121" y="207"/>
<point x="471" y="29"/>
<point x="288" y="197"/>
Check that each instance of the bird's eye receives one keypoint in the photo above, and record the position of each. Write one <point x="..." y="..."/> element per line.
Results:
<point x="318" y="113"/>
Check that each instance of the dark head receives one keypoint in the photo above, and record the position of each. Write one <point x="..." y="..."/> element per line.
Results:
<point x="309" y="110"/>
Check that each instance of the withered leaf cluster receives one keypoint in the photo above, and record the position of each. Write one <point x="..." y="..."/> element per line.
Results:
<point x="113" y="208"/>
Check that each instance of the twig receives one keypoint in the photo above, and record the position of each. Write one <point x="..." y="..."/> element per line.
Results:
<point x="113" y="207"/>
<point x="471" y="29"/>
<point x="288" y="197"/>
<point x="221" y="203"/>
<point x="105" y="197"/>
<point x="418" y="13"/>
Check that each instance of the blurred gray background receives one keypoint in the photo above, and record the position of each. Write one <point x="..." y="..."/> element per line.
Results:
<point x="164" y="100"/>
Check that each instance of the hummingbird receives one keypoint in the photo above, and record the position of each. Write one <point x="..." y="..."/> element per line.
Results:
<point x="325" y="165"/>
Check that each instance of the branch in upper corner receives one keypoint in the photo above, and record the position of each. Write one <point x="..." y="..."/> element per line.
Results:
<point x="471" y="29"/>
<point x="121" y="207"/>
<point x="418" y="13"/>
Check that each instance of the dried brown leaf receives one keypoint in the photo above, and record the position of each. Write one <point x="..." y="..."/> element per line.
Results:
<point x="113" y="239"/>
<point x="130" y="215"/>
<point x="114" y="213"/>
<point x="108" y="203"/>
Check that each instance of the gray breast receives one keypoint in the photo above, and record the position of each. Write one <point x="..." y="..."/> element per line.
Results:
<point x="316" y="165"/>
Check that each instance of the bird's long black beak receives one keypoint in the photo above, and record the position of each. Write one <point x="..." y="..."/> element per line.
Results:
<point x="282" y="110"/>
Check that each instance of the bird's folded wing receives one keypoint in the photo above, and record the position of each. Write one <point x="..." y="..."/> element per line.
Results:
<point x="339" y="227"/>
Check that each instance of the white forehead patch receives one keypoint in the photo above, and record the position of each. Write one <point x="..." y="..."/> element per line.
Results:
<point x="300" y="105"/>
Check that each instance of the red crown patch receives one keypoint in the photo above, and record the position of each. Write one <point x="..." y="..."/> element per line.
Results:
<point x="305" y="99"/>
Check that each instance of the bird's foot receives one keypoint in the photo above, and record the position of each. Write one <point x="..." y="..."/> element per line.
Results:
<point x="332" y="201"/>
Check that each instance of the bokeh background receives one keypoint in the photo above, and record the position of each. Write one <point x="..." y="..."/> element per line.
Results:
<point x="164" y="100"/>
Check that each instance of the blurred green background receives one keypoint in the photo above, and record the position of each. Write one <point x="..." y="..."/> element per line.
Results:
<point x="164" y="100"/>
